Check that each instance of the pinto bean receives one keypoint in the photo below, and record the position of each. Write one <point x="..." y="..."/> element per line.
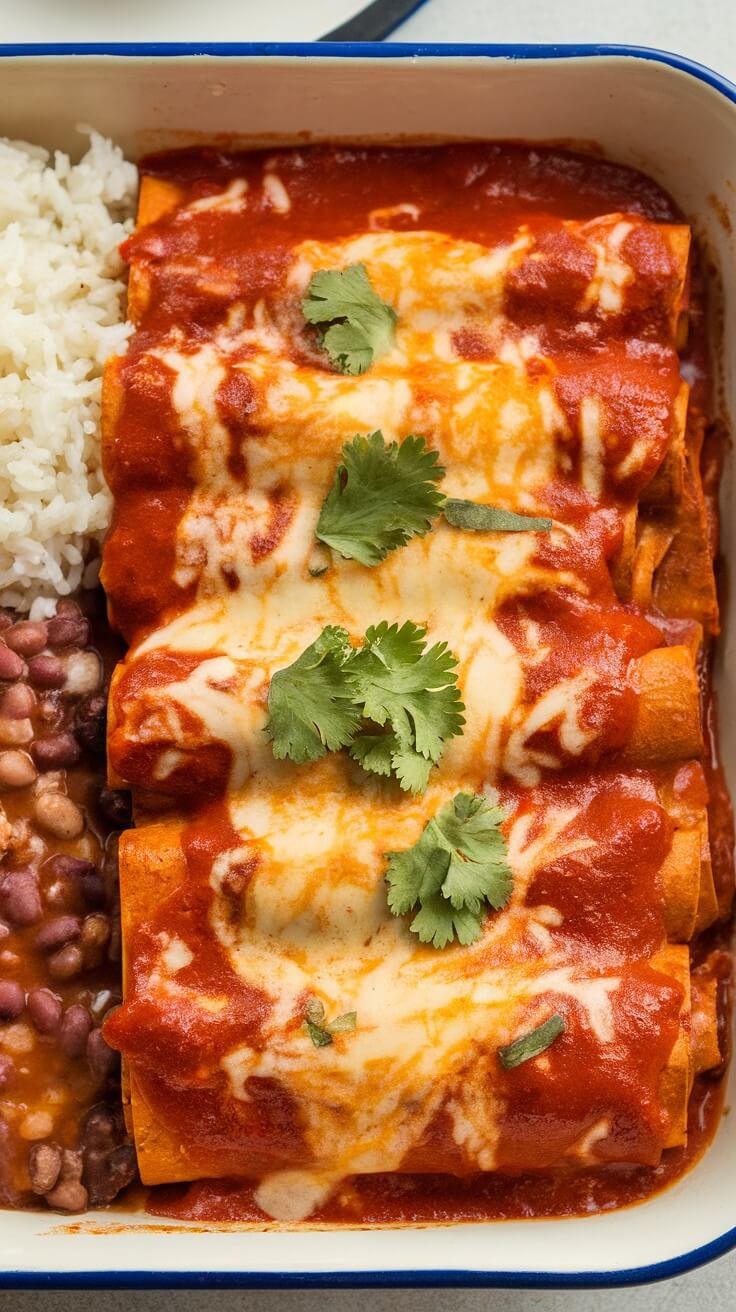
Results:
<point x="68" y="630"/>
<point x="75" y="866"/>
<point x="101" y="1058"/>
<point x="27" y="638"/>
<point x="105" y="1174"/>
<point x="16" y="732"/>
<point x="69" y="1194"/>
<point x="46" y="671"/>
<point x="12" y="999"/>
<point x="75" y="873"/>
<point x="101" y="1126"/>
<point x="44" y="1166"/>
<point x="74" y="1031"/>
<point x="20" y="900"/>
<point x="11" y="664"/>
<point x="16" y="769"/>
<point x="58" y="815"/>
<point x="67" y="963"/>
<point x="90" y="723"/>
<point x="95" y="931"/>
<point x="45" y="1010"/>
<point x="55" y="933"/>
<point x="55" y="751"/>
<point x="17" y="702"/>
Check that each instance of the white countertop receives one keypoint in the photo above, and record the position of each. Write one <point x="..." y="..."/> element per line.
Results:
<point x="705" y="31"/>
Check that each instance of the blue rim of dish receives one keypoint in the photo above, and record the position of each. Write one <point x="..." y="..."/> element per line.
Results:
<point x="419" y="1279"/>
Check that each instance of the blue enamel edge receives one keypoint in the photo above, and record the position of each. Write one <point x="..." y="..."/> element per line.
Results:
<point x="420" y="1279"/>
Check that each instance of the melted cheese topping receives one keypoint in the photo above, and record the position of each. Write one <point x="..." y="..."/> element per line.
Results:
<point x="278" y="610"/>
<point x="366" y="1099"/>
<point x="612" y="272"/>
<point x="313" y="920"/>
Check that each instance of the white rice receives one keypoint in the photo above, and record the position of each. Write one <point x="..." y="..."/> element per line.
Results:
<point x="61" y="316"/>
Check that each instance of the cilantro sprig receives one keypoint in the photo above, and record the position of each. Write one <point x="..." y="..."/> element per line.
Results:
<point x="532" y="1044"/>
<point x="384" y="494"/>
<point x="457" y="868"/>
<point x="412" y="695"/>
<point x="320" y="1031"/>
<point x="311" y="703"/>
<point x="393" y="702"/>
<point x="361" y="326"/>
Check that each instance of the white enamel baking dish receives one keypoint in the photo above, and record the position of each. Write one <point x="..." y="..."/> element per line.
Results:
<point x="658" y="112"/>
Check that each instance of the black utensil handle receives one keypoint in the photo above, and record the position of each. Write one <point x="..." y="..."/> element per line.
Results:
<point x="374" y="22"/>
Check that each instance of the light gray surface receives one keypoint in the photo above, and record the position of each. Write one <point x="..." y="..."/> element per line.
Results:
<point x="700" y="1292"/>
<point x="702" y="29"/>
<point x="705" y="31"/>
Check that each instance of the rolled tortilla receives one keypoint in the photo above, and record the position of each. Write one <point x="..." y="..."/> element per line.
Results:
<point x="667" y="719"/>
<point x="176" y="1081"/>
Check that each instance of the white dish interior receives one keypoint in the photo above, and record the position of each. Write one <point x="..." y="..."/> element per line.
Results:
<point x="646" y="113"/>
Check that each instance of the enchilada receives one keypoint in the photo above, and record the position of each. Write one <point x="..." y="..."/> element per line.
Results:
<point x="280" y="1023"/>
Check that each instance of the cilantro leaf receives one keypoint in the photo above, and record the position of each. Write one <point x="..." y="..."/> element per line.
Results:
<point x="375" y="752"/>
<point x="532" y="1044"/>
<point x="439" y="924"/>
<point x="456" y="867"/>
<point x="490" y="519"/>
<point x="320" y="1031"/>
<point x="311" y="703"/>
<point x="382" y="754"/>
<point x="411" y="696"/>
<point x="477" y="871"/>
<point x="411" y="770"/>
<point x="414" y="691"/>
<point x="320" y="1037"/>
<point x="344" y="1024"/>
<point x="362" y="326"/>
<point x="382" y="496"/>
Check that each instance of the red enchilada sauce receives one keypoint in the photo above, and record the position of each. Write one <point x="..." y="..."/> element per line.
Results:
<point x="475" y="192"/>
<point x="481" y="193"/>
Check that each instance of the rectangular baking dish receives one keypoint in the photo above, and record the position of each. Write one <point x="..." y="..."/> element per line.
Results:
<point x="655" y="111"/>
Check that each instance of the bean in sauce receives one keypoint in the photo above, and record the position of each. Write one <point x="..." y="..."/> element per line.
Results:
<point x="63" y="1142"/>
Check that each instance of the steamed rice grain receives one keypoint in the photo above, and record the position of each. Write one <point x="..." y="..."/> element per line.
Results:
<point x="61" y="315"/>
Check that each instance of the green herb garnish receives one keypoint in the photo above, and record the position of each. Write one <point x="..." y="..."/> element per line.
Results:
<point x="311" y="703"/>
<point x="386" y="493"/>
<point x="382" y="496"/>
<point x="490" y="519"/>
<point x="361" y="326"/>
<point x="456" y="869"/>
<point x="321" y="1032"/>
<point x="392" y="702"/>
<point x="530" y="1045"/>
<point x="412" y="695"/>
